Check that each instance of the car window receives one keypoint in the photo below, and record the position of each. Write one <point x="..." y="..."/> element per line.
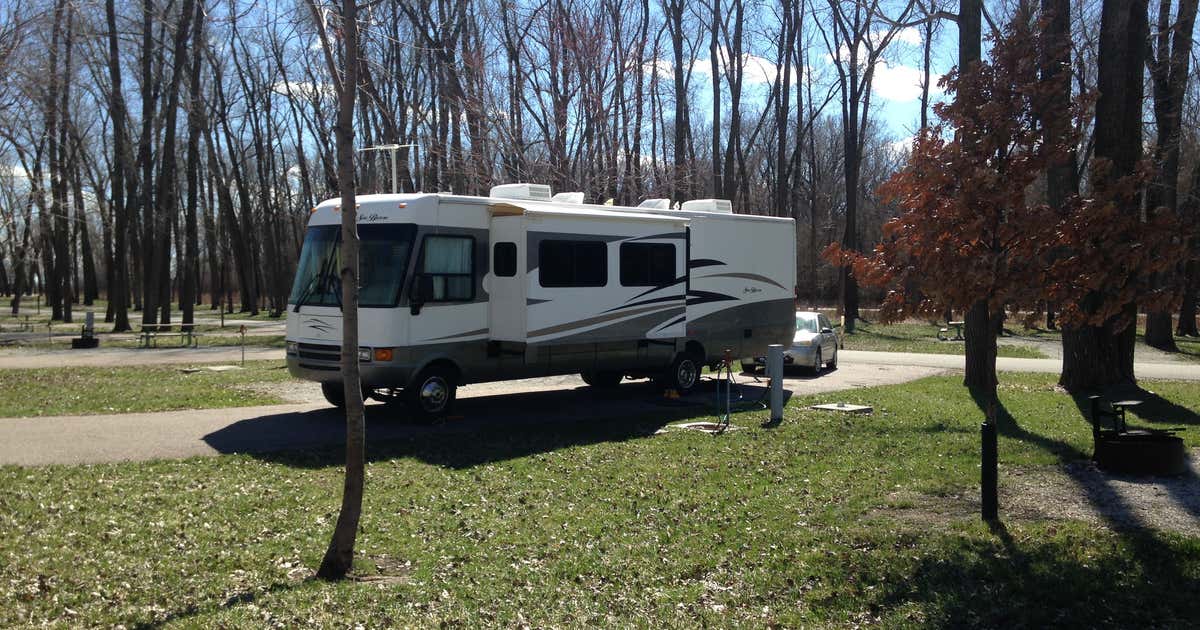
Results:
<point x="824" y="322"/>
<point x="806" y="323"/>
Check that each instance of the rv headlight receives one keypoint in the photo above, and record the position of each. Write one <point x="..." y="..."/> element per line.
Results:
<point x="292" y="347"/>
<point x="364" y="355"/>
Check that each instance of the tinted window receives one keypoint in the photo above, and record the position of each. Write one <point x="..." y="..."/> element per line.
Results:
<point x="504" y="259"/>
<point x="572" y="263"/>
<point x="647" y="264"/>
<point x="448" y="261"/>
<point x="806" y="323"/>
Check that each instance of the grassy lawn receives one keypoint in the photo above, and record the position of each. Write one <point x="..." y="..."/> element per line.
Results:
<point x="606" y="524"/>
<point x="919" y="337"/>
<point x="86" y="390"/>
<point x="165" y="340"/>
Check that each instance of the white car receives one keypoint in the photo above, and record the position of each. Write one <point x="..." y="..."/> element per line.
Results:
<point x="814" y="346"/>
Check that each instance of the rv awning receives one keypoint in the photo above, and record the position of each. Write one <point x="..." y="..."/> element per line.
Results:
<point x="573" y="211"/>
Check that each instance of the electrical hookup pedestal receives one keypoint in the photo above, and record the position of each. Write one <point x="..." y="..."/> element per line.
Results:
<point x="775" y="371"/>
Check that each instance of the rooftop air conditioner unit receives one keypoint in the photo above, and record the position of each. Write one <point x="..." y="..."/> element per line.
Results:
<point x="568" y="197"/>
<point x="722" y="206"/>
<point x="656" y="204"/>
<point x="529" y="192"/>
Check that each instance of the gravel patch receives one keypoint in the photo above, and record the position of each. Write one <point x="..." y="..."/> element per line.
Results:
<point x="1076" y="491"/>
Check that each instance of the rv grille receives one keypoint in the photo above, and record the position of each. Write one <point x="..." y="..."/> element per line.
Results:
<point x="319" y="353"/>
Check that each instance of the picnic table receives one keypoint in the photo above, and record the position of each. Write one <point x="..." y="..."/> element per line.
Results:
<point x="149" y="333"/>
<point x="944" y="331"/>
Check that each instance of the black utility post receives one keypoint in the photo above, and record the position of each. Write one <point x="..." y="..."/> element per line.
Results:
<point x="989" y="507"/>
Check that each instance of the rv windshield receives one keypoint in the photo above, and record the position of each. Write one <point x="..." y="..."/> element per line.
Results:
<point x="382" y="262"/>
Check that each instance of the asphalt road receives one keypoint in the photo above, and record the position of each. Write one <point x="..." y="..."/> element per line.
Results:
<point x="522" y="405"/>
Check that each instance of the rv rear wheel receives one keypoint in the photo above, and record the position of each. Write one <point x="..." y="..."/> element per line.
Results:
<point x="431" y="394"/>
<point x="604" y="379"/>
<point x="684" y="373"/>
<point x="335" y="393"/>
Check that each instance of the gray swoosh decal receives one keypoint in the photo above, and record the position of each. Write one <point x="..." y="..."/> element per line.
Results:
<point x="746" y="276"/>
<point x="458" y="335"/>
<point x="583" y="323"/>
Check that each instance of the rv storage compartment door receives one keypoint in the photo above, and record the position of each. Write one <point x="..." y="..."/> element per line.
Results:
<point x="506" y="293"/>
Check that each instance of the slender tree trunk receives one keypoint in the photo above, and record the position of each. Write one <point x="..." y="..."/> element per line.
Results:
<point x="339" y="557"/>
<point x="118" y="291"/>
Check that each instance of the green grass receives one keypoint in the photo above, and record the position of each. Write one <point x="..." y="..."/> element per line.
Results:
<point x="605" y="524"/>
<point x="89" y="390"/>
<point x="921" y="338"/>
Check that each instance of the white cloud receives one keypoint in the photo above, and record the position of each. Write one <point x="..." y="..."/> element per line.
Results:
<point x="909" y="35"/>
<point x="304" y="89"/>
<point x="756" y="70"/>
<point x="896" y="83"/>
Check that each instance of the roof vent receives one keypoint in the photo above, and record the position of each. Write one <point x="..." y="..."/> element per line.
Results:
<point x="568" y="197"/>
<point x="722" y="206"/>
<point x="531" y="192"/>
<point x="656" y="204"/>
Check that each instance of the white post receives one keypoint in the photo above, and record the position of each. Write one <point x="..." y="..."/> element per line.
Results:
<point x="775" y="372"/>
<point x="395" y="180"/>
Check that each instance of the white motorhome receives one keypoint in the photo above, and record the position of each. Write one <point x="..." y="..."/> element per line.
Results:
<point x="459" y="289"/>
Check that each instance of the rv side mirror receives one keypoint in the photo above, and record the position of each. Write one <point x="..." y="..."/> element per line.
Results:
<point x="422" y="292"/>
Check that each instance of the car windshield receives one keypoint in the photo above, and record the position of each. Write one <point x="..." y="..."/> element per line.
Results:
<point x="806" y="323"/>
<point x="382" y="262"/>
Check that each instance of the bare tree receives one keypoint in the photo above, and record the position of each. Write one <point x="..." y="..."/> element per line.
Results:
<point x="339" y="558"/>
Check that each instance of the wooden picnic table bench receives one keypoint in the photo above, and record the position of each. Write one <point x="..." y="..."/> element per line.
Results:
<point x="944" y="331"/>
<point x="149" y="333"/>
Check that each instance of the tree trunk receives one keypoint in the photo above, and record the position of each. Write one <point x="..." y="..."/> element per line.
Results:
<point x="979" y="327"/>
<point x="339" y="557"/>
<point x="118" y="291"/>
<point x="1097" y="357"/>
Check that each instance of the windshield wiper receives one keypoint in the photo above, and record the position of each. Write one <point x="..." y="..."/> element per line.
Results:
<point x="317" y="281"/>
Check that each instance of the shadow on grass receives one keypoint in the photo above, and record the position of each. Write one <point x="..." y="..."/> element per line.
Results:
<point x="237" y="599"/>
<point x="486" y="428"/>
<point x="1008" y="426"/>
<point x="1148" y="587"/>
<point x="1042" y="581"/>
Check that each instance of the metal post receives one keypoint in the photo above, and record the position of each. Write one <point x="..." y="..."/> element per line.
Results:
<point x="775" y="372"/>
<point x="395" y="179"/>
<point x="988" y="473"/>
<point x="242" y="332"/>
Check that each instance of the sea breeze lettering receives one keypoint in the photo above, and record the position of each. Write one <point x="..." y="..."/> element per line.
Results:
<point x="370" y="218"/>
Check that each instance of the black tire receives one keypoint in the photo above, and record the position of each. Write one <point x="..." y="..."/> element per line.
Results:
<point x="603" y="379"/>
<point x="749" y="366"/>
<point x="431" y="394"/>
<point x="335" y="393"/>
<point x="833" y="361"/>
<point x="816" y="366"/>
<point x="684" y="373"/>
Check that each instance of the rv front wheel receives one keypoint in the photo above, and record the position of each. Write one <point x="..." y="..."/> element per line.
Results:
<point x="431" y="394"/>
<point x="335" y="393"/>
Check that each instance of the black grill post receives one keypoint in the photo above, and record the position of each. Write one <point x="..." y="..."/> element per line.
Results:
<point x="989" y="507"/>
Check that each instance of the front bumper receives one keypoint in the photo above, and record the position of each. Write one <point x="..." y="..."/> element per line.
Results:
<point x="795" y="355"/>
<point x="322" y="363"/>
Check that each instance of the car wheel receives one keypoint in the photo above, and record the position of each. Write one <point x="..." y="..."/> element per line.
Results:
<point x="833" y="361"/>
<point x="431" y="394"/>
<point x="335" y="393"/>
<point x="816" y="366"/>
<point x="684" y="373"/>
<point x="603" y="379"/>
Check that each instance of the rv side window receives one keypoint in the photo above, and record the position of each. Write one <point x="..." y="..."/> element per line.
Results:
<point x="647" y="264"/>
<point x="504" y="259"/>
<point x="572" y="263"/>
<point x="447" y="260"/>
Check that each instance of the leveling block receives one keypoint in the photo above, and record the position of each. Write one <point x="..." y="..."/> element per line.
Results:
<point x="844" y="408"/>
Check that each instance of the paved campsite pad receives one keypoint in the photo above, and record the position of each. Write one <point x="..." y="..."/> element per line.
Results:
<point x="312" y="423"/>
